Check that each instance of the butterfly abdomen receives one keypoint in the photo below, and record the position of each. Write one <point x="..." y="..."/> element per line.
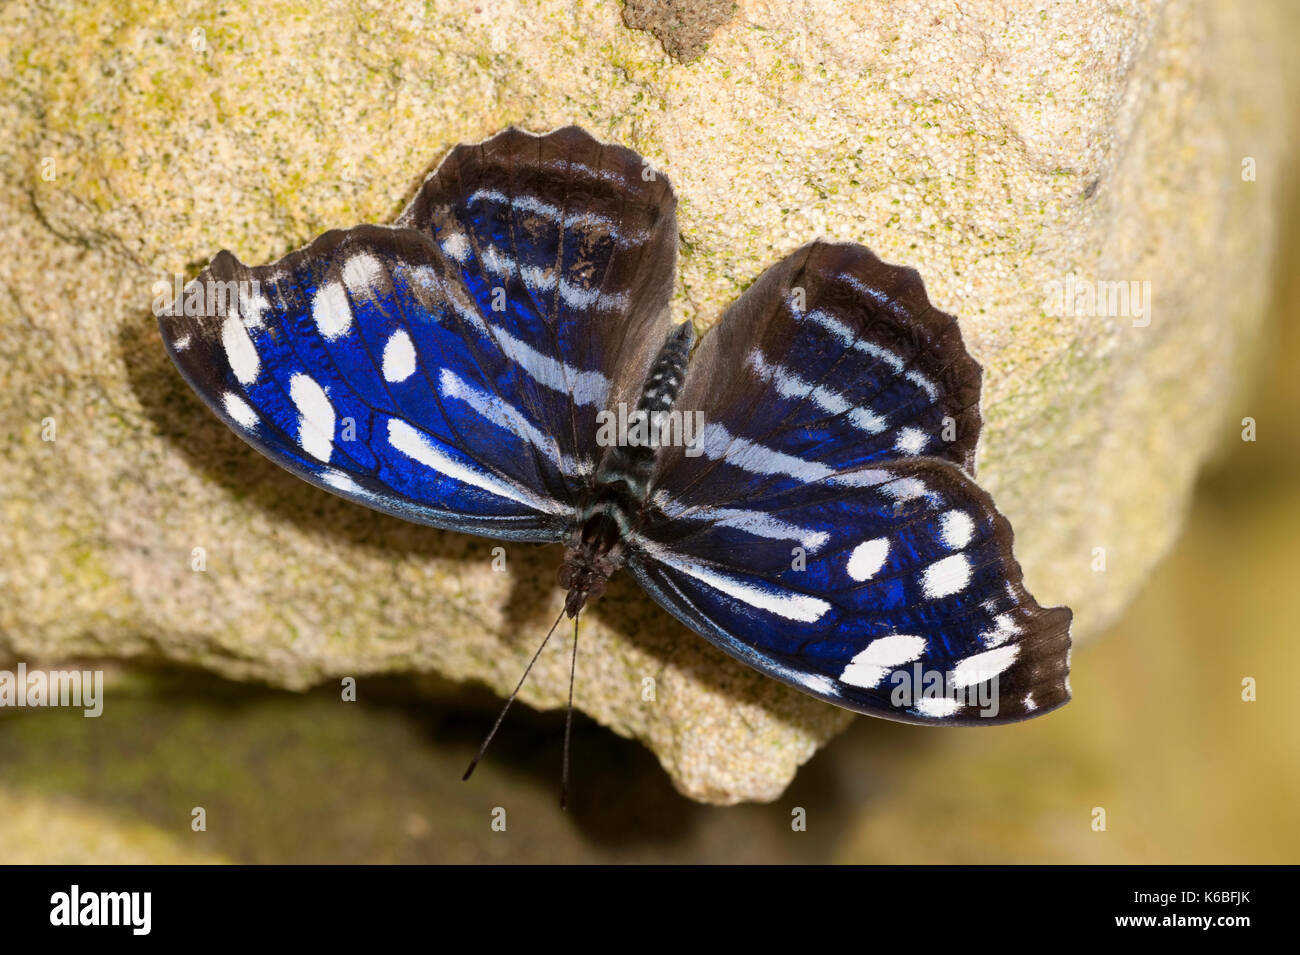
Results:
<point x="630" y="460"/>
<point x="623" y="478"/>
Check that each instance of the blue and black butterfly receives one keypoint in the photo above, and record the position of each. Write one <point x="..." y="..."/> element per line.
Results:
<point x="456" y="369"/>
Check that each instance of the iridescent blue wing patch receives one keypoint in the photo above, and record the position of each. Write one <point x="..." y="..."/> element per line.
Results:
<point x="449" y="369"/>
<point x="823" y="527"/>
<point x="908" y="613"/>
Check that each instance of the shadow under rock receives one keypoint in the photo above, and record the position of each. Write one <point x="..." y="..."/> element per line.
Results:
<point x="225" y="459"/>
<point x="306" y="778"/>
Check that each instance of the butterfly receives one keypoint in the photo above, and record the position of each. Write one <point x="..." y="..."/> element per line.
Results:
<point x="796" y="488"/>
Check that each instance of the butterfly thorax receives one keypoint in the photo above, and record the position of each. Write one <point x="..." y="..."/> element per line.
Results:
<point x="616" y="504"/>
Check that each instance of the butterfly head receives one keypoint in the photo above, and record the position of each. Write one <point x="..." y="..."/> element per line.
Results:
<point x="592" y="554"/>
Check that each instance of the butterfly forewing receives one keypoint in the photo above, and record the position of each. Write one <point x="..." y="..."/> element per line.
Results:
<point x="823" y="528"/>
<point x="439" y="369"/>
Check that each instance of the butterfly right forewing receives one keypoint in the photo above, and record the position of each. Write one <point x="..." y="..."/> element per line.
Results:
<point x="449" y="369"/>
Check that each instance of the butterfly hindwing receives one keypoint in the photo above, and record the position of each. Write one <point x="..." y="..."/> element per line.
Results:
<point x="800" y="537"/>
<point x="421" y="369"/>
<point x="832" y="356"/>
<point x="580" y="235"/>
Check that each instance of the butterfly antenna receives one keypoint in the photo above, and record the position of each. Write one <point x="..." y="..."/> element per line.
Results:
<point x="568" y="720"/>
<point x="497" y="725"/>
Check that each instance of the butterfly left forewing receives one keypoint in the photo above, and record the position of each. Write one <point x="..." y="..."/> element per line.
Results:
<point x="822" y="525"/>
<point x="889" y="589"/>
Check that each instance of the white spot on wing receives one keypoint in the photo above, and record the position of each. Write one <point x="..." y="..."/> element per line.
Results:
<point x="240" y="351"/>
<point x="790" y="385"/>
<point x="946" y="576"/>
<point x="866" y="477"/>
<point x="1003" y="630"/>
<point x="239" y="409"/>
<point x="362" y="272"/>
<point x="399" y="357"/>
<point x="575" y="296"/>
<point x="331" y="310"/>
<point x="315" y="416"/>
<point x="341" y="482"/>
<point x="586" y="387"/>
<point x="497" y="262"/>
<point x="922" y="382"/>
<point x="456" y="245"/>
<point x="815" y="682"/>
<point x="758" y="523"/>
<point x="537" y="278"/>
<point x="783" y="603"/>
<point x="535" y="206"/>
<point x="867" y="558"/>
<point x="849" y="339"/>
<point x="508" y="418"/>
<point x="905" y="489"/>
<point x="761" y="524"/>
<point x="716" y="443"/>
<point x="911" y="441"/>
<point x="874" y="663"/>
<point x="417" y="447"/>
<point x="984" y="666"/>
<point x="956" y="529"/>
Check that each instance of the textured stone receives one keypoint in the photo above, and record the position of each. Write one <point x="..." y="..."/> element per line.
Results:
<point x="996" y="148"/>
<point x="684" y="27"/>
<point x="40" y="831"/>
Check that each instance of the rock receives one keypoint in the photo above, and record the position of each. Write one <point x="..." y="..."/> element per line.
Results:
<point x="684" y="27"/>
<point x="999" y="149"/>
<point x="37" y="830"/>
